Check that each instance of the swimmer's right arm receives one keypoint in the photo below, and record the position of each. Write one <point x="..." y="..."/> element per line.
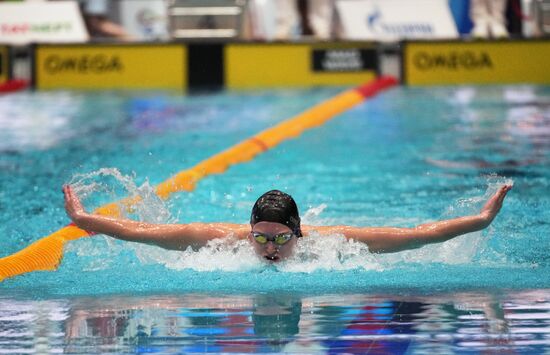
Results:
<point x="168" y="236"/>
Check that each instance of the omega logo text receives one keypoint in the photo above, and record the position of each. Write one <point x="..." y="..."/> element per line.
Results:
<point x="455" y="60"/>
<point x="83" y="64"/>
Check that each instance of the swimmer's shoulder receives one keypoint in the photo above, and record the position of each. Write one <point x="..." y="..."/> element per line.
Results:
<point x="325" y="230"/>
<point x="221" y="229"/>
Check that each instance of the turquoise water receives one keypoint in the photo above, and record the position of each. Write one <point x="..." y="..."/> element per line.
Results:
<point x="406" y="157"/>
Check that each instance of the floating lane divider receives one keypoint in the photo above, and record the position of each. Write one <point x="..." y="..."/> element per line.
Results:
<point x="46" y="253"/>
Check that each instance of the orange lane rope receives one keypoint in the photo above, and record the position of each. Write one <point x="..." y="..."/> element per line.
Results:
<point x="46" y="253"/>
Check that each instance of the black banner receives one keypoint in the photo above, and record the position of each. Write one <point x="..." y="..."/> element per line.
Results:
<point x="344" y="60"/>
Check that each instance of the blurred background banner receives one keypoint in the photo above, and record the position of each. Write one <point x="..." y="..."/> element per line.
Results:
<point x="110" y="66"/>
<point x="145" y="19"/>
<point x="4" y="64"/>
<point x="26" y="22"/>
<point x="475" y="62"/>
<point x="390" y="20"/>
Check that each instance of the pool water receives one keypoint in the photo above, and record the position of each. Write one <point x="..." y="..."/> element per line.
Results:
<point x="465" y="322"/>
<point x="406" y="157"/>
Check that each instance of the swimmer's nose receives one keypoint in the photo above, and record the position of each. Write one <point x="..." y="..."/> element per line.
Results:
<point x="271" y="248"/>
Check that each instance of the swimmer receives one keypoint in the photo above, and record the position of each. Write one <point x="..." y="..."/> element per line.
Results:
<point x="275" y="228"/>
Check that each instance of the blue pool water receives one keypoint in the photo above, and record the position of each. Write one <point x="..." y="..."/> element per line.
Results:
<point x="406" y="157"/>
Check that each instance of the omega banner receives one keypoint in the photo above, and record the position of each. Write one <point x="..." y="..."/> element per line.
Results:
<point x="4" y="64"/>
<point x="299" y="64"/>
<point x="202" y="65"/>
<point x="479" y="62"/>
<point x="110" y="66"/>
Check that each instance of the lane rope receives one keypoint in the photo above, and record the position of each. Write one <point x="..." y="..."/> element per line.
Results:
<point x="46" y="253"/>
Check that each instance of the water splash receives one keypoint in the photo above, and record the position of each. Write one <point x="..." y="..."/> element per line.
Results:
<point x="332" y="252"/>
<point x="312" y="214"/>
<point x="109" y="184"/>
<point x="149" y="208"/>
<point x="227" y="255"/>
<point x="460" y="250"/>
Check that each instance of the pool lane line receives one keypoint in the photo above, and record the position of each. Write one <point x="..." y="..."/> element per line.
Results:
<point x="46" y="253"/>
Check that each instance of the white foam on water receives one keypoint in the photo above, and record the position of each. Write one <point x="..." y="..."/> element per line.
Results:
<point x="224" y="255"/>
<point x="315" y="252"/>
<point x="327" y="252"/>
<point x="330" y="252"/>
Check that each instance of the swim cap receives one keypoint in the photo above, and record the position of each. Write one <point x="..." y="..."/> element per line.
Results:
<point x="276" y="206"/>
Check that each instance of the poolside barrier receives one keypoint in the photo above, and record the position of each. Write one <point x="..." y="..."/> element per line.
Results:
<point x="46" y="253"/>
<point x="181" y="66"/>
<point x="452" y="62"/>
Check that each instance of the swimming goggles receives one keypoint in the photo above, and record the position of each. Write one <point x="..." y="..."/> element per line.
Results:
<point x="278" y="239"/>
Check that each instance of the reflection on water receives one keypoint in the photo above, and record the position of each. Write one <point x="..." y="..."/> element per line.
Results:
<point x="279" y="322"/>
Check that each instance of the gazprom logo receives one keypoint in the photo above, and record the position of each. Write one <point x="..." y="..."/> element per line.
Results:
<point x="377" y="24"/>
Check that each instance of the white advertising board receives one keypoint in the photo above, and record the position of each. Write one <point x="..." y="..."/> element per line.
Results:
<point x="41" y="21"/>
<point x="392" y="20"/>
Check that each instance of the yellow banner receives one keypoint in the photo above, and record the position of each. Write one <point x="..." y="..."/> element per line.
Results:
<point x="4" y="64"/>
<point x="111" y="66"/>
<point x="479" y="62"/>
<point x="302" y="64"/>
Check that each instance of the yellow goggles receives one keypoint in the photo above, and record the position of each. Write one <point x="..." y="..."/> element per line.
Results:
<point x="278" y="239"/>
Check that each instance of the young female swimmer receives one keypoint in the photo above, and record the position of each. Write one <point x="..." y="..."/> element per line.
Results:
<point x="275" y="227"/>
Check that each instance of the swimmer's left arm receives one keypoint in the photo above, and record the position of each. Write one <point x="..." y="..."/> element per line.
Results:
<point x="389" y="239"/>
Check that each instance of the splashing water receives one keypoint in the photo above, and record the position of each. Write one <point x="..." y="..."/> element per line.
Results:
<point x="315" y="252"/>
<point x="312" y="214"/>
<point x="460" y="250"/>
<point x="149" y="208"/>
<point x="333" y="252"/>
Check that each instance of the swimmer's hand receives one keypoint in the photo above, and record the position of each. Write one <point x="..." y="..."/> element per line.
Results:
<point x="73" y="206"/>
<point x="494" y="204"/>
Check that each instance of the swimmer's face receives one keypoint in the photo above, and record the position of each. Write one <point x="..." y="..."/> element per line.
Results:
<point x="271" y="250"/>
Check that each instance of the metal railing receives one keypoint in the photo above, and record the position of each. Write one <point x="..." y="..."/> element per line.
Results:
<point x="206" y="19"/>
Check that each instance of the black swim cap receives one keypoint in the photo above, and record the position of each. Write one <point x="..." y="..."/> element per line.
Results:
<point x="276" y="206"/>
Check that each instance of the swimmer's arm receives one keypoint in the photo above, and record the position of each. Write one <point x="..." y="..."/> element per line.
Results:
<point x="168" y="236"/>
<point x="389" y="239"/>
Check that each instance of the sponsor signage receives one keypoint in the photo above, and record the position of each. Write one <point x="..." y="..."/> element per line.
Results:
<point x="41" y="21"/>
<point x="344" y="60"/>
<point x="304" y="64"/>
<point x="180" y="66"/>
<point x="482" y="62"/>
<point x="110" y="66"/>
<point x="391" y="20"/>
